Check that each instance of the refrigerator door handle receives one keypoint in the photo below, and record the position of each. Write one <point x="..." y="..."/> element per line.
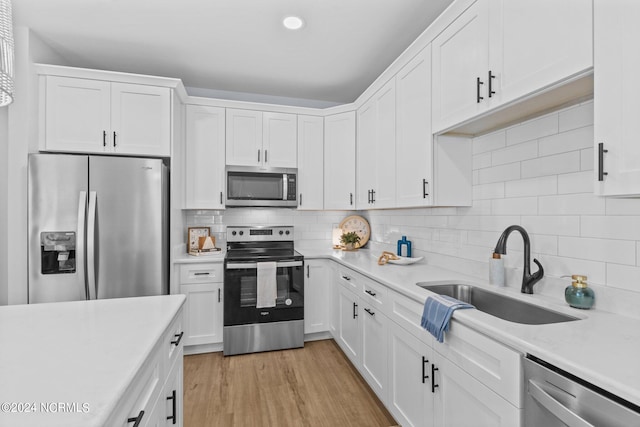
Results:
<point x="80" y="252"/>
<point x="91" y="248"/>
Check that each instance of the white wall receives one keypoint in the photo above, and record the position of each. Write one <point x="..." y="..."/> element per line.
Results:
<point x="4" y="188"/>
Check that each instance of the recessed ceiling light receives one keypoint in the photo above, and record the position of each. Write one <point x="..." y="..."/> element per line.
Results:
<point x="293" y="22"/>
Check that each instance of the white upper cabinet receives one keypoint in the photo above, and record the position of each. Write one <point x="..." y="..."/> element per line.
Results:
<point x="244" y="138"/>
<point x="204" y="164"/>
<point x="310" y="162"/>
<point x="95" y="116"/>
<point x="414" y="141"/>
<point x="265" y="140"/>
<point x="617" y="106"/>
<point x="340" y="161"/>
<point x="499" y="51"/>
<point x="279" y="140"/>
<point x="376" y="150"/>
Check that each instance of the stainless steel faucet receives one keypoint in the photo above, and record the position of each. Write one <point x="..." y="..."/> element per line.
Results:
<point x="528" y="279"/>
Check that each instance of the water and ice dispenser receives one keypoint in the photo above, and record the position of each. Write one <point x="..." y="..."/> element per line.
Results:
<point x="58" y="252"/>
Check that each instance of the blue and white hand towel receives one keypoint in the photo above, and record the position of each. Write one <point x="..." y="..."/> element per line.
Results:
<point x="437" y="312"/>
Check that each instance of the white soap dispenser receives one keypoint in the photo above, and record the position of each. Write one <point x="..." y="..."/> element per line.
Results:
<point x="496" y="270"/>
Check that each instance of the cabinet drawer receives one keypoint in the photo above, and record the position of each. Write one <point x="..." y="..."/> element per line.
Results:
<point x="350" y="280"/>
<point x="407" y="313"/>
<point x="374" y="293"/>
<point x="493" y="364"/>
<point x="141" y="395"/>
<point x="173" y="341"/>
<point x="198" y="273"/>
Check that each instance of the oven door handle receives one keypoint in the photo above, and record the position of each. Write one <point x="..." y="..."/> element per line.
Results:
<point x="247" y="265"/>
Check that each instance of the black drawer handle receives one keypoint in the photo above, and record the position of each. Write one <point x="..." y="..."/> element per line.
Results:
<point x="425" y="362"/>
<point x="136" y="420"/>
<point x="355" y="310"/>
<point x="433" y="378"/>
<point x="373" y="294"/>
<point x="601" y="151"/>
<point x="370" y="312"/>
<point x="104" y="138"/>
<point x="478" y="97"/>
<point x="491" y="77"/>
<point x="176" y="342"/>
<point x="424" y="188"/>
<point x="202" y="274"/>
<point x="114" y="139"/>
<point x="172" y="398"/>
<point x="346" y="277"/>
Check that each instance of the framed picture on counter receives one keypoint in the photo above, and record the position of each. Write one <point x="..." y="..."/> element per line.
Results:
<point x="193" y="237"/>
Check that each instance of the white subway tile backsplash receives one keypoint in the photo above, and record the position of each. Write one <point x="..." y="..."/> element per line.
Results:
<point x="607" y="250"/>
<point x="572" y="140"/>
<point x="611" y="227"/>
<point x="498" y="173"/>
<point x="515" y="206"/>
<point x="515" y="153"/>
<point x="538" y="186"/>
<point x="571" y="204"/>
<point x="552" y="225"/>
<point x="551" y="165"/>
<point x="489" y="191"/>
<point x="623" y="277"/>
<point x="576" y="117"/>
<point x="563" y="266"/>
<point x="482" y="161"/>
<point x="623" y="207"/>
<point x="533" y="129"/>
<point x="577" y="182"/>
<point x="586" y="159"/>
<point x="489" y="142"/>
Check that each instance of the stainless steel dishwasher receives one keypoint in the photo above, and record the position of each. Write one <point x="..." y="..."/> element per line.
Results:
<point x="557" y="398"/>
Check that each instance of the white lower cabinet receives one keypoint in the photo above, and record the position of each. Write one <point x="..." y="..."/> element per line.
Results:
<point x="317" y="294"/>
<point x="469" y="380"/>
<point x="202" y="283"/>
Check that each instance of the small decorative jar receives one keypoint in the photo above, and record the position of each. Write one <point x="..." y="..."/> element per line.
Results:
<point x="579" y="295"/>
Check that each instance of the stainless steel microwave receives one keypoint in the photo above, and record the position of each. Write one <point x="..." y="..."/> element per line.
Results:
<point x="251" y="186"/>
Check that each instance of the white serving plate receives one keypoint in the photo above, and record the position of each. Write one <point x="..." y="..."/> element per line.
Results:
<point x="403" y="260"/>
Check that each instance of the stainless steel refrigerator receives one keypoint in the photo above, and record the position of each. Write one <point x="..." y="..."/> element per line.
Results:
<point x="98" y="227"/>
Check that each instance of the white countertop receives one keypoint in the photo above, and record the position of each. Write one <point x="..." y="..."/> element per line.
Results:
<point x="185" y="258"/>
<point x="83" y="353"/>
<point x="602" y="348"/>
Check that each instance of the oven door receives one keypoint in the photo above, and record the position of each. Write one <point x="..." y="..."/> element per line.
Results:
<point x="240" y="293"/>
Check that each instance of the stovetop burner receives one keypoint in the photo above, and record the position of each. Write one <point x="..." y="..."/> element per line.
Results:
<point x="261" y="243"/>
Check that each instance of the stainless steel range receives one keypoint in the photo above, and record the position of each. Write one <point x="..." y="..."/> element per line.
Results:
<point x="263" y="290"/>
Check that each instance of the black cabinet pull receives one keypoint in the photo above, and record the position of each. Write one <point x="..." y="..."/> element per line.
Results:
<point x="201" y="273"/>
<point x="373" y="294"/>
<point x="478" y="97"/>
<point x="104" y="138"/>
<point x="355" y="310"/>
<point x="373" y="196"/>
<point x="346" y="277"/>
<point x="308" y="271"/>
<point x="173" y="405"/>
<point x="491" y="77"/>
<point x="221" y="197"/>
<point x="114" y="139"/>
<point x="351" y="199"/>
<point x="425" y="362"/>
<point x="176" y="342"/>
<point x="300" y="199"/>
<point x="265" y="156"/>
<point x="424" y="188"/>
<point x="433" y="378"/>
<point x="219" y="295"/>
<point x="136" y="420"/>
<point x="368" y="196"/>
<point x="370" y="312"/>
<point x="601" y="151"/>
<point x="258" y="155"/>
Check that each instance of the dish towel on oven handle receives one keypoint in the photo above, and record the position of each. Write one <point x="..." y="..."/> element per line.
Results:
<point x="437" y="313"/>
<point x="267" y="289"/>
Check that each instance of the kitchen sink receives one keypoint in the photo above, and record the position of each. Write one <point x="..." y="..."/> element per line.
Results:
<point x="499" y="305"/>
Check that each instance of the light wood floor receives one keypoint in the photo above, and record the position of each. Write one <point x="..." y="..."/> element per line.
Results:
<point x="311" y="386"/>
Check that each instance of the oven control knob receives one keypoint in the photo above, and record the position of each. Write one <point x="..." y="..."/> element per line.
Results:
<point x="241" y="233"/>
<point x="286" y="232"/>
<point x="233" y="233"/>
<point x="281" y="232"/>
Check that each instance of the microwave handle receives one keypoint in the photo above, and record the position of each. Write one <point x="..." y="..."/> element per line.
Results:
<point x="251" y="265"/>
<point x="285" y="185"/>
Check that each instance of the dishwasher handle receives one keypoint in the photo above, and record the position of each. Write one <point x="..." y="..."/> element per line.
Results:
<point x="556" y="408"/>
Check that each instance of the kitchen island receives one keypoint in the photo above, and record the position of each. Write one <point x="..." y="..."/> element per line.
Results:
<point x="91" y="363"/>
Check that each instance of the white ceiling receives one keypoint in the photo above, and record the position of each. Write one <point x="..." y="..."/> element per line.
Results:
<point x="235" y="45"/>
